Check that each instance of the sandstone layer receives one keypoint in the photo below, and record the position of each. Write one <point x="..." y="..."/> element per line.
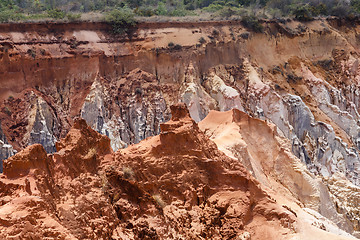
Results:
<point x="302" y="79"/>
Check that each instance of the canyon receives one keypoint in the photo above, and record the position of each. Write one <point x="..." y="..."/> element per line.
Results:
<point x="180" y="130"/>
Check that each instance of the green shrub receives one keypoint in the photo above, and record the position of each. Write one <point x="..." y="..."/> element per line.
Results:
<point x="31" y="52"/>
<point x="190" y="6"/>
<point x="226" y="12"/>
<point x="73" y="16"/>
<point x="341" y="10"/>
<point x="56" y="13"/>
<point x="179" y="13"/>
<point x="121" y="20"/>
<point x="202" y="40"/>
<point x="161" y="9"/>
<point x="215" y="32"/>
<point x="173" y="46"/>
<point x="145" y="11"/>
<point x="245" y="35"/>
<point x="355" y="4"/>
<point x="213" y="7"/>
<point x="177" y="47"/>
<point x="37" y="6"/>
<point x="302" y="13"/>
<point x="37" y="16"/>
<point x="8" y="15"/>
<point x="252" y="23"/>
<point x="319" y="9"/>
<point x="7" y="111"/>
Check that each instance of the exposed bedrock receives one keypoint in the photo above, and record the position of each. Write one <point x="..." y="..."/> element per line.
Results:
<point x="6" y="150"/>
<point x="301" y="77"/>
<point x="176" y="185"/>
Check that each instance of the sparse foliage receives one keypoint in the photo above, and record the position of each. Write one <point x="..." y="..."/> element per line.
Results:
<point x="56" y="14"/>
<point x="202" y="40"/>
<point x="10" y="15"/>
<point x="7" y="111"/>
<point x="173" y="46"/>
<point x="31" y="52"/>
<point x="71" y="10"/>
<point x="73" y="16"/>
<point x="252" y="23"/>
<point x="302" y="14"/>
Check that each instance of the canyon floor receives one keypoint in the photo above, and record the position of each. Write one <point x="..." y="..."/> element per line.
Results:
<point x="203" y="130"/>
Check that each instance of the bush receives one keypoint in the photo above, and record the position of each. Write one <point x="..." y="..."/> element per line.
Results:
<point x="161" y="9"/>
<point x="226" y="12"/>
<point x="279" y="8"/>
<point x="302" y="13"/>
<point x="7" y="111"/>
<point x="213" y="7"/>
<point x="179" y="13"/>
<point x="177" y="47"/>
<point x="56" y="13"/>
<point x="173" y="46"/>
<point x="215" y="32"/>
<point x="121" y="20"/>
<point x="145" y="11"/>
<point x="341" y="10"/>
<point x="245" y="35"/>
<point x="8" y="15"/>
<point x="37" y="6"/>
<point x="73" y="16"/>
<point x="355" y="4"/>
<point x="320" y="9"/>
<point x="252" y="23"/>
<point x="31" y="52"/>
<point x="37" y="16"/>
<point x="202" y="40"/>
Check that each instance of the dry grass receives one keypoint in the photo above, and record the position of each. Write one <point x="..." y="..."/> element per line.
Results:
<point x="159" y="200"/>
<point x="91" y="153"/>
<point x="104" y="183"/>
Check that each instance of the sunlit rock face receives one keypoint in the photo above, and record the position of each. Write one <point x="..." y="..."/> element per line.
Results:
<point x="304" y="84"/>
<point x="126" y="111"/>
<point x="86" y="182"/>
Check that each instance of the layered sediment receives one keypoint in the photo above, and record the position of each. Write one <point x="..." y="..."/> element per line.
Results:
<point x="297" y="82"/>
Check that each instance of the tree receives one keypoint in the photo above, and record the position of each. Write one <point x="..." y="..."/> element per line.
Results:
<point x="121" y="20"/>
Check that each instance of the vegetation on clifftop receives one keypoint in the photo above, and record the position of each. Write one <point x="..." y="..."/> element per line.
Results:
<point x="118" y="10"/>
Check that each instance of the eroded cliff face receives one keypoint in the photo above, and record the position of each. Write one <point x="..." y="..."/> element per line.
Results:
<point x="6" y="150"/>
<point x="176" y="185"/>
<point x="301" y="77"/>
<point x="266" y="154"/>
